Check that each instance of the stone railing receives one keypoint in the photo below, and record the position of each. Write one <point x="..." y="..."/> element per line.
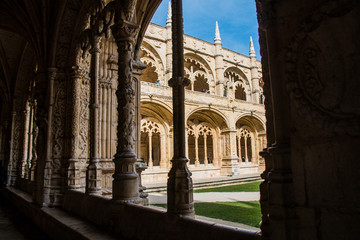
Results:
<point x="138" y="222"/>
<point x="165" y="92"/>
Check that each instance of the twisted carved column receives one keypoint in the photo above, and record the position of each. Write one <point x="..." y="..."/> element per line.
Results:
<point x="93" y="173"/>
<point x="179" y="186"/>
<point x="125" y="183"/>
<point x="73" y="169"/>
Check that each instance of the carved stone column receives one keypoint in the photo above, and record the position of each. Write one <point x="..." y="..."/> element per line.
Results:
<point x="30" y="141"/>
<point x="216" y="150"/>
<point x="239" y="148"/>
<point x="150" y="162"/>
<point x="35" y="133"/>
<point x="230" y="164"/>
<point x="197" y="162"/>
<point x="163" y="151"/>
<point x="253" y="148"/>
<point x="187" y="146"/>
<point x="48" y="153"/>
<point x="179" y="186"/>
<point x="73" y="175"/>
<point x="140" y="164"/>
<point x="246" y="149"/>
<point x="93" y="173"/>
<point x="125" y="183"/>
<point x="25" y="140"/>
<point x="12" y="168"/>
<point x="214" y="147"/>
<point x="205" y="151"/>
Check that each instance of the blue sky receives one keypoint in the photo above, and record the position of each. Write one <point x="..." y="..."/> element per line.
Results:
<point x="237" y="22"/>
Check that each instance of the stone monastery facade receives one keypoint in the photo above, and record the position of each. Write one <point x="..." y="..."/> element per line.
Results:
<point x="224" y="108"/>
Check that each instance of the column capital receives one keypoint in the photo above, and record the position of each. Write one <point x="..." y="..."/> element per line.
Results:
<point x="125" y="31"/>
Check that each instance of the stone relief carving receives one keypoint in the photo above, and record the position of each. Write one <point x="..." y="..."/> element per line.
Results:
<point x="84" y="119"/>
<point x="318" y="90"/>
<point x="227" y="145"/>
<point x="16" y="155"/>
<point x="58" y="124"/>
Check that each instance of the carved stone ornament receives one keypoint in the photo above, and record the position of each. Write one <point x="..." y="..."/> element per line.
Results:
<point x="320" y="87"/>
<point x="58" y="124"/>
<point x="100" y="22"/>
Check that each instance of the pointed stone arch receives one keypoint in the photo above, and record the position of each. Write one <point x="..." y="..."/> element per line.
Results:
<point x="198" y="70"/>
<point x="155" y="65"/>
<point x="237" y="85"/>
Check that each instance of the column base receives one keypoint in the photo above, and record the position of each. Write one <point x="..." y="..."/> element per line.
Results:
<point x="180" y="189"/>
<point x="125" y="183"/>
<point x="230" y="167"/>
<point x="93" y="179"/>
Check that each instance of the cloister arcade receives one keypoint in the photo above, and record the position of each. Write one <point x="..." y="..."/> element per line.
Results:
<point x="211" y="108"/>
<point x="71" y="126"/>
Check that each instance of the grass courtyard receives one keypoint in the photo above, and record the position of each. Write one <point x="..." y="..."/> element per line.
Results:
<point x="241" y="212"/>
<point x="244" y="187"/>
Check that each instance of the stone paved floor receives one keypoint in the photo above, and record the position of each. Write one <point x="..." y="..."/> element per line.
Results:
<point x="14" y="225"/>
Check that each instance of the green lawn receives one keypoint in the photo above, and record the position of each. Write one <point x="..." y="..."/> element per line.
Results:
<point x="245" y="187"/>
<point x="241" y="212"/>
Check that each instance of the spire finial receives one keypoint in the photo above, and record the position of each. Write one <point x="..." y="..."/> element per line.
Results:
<point x="217" y="38"/>
<point x="252" y="49"/>
<point x="168" y="19"/>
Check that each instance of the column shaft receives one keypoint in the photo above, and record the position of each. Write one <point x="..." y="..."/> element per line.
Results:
<point x="197" y="162"/>
<point x="11" y="176"/>
<point x="163" y="151"/>
<point x="29" y="147"/>
<point x="26" y="140"/>
<point x="150" y="150"/>
<point x="205" y="151"/>
<point x="239" y="150"/>
<point x="125" y="183"/>
<point x="73" y="174"/>
<point x="246" y="149"/>
<point x="93" y="173"/>
<point x="180" y="189"/>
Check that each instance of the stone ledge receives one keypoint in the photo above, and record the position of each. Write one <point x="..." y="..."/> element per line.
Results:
<point x="57" y="223"/>
<point x="139" y="222"/>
